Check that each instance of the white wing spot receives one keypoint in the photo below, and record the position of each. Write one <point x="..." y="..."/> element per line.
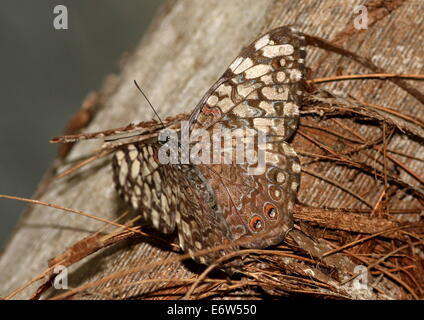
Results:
<point x="147" y="199"/>
<point x="134" y="201"/>
<point x="145" y="214"/>
<point x="246" y="64"/>
<point x="167" y="218"/>
<point x="245" y="110"/>
<point x="280" y="50"/>
<point x="257" y="71"/>
<point x="224" y="90"/>
<point x="212" y="100"/>
<point x="123" y="172"/>
<point x="135" y="169"/>
<point x="262" y="123"/>
<point x="273" y="93"/>
<point x="245" y="89"/>
<point x="262" y="42"/>
<point x="295" y="75"/>
<point x="186" y="229"/>
<point x="156" y="179"/>
<point x="289" y="150"/>
<point x="120" y="155"/>
<point x="267" y="79"/>
<point x="198" y="245"/>
<point x="145" y="171"/>
<point x="296" y="168"/>
<point x="281" y="76"/>
<point x="137" y="190"/>
<point x="291" y="109"/>
<point x="150" y="150"/>
<point x="181" y="238"/>
<point x="145" y="153"/>
<point x="235" y="63"/>
<point x="155" y="218"/>
<point x="225" y="104"/>
<point x="178" y="217"/>
<point x="133" y="154"/>
<point x="267" y="106"/>
<point x="280" y="177"/>
<point x="153" y="163"/>
<point x="164" y="203"/>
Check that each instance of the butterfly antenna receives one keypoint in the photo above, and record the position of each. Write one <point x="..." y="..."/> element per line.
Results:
<point x="151" y="106"/>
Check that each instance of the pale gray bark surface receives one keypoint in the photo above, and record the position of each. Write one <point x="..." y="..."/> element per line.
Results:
<point x="187" y="48"/>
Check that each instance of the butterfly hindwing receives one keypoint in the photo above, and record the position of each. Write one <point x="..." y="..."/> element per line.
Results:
<point x="258" y="208"/>
<point x="201" y="223"/>
<point x="171" y="196"/>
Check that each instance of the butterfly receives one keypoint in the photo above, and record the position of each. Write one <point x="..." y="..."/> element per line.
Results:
<point x="222" y="204"/>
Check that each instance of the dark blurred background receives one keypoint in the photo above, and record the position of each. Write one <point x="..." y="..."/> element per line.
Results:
<point x="45" y="75"/>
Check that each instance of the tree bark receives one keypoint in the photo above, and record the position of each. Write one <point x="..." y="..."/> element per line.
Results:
<point x="188" y="46"/>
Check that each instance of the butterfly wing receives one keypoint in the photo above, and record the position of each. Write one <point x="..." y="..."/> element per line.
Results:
<point x="261" y="90"/>
<point x="146" y="185"/>
<point x="169" y="195"/>
<point x="201" y="223"/>
<point x="258" y="208"/>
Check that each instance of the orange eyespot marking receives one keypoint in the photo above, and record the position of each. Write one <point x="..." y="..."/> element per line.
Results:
<point x="256" y="223"/>
<point x="270" y="211"/>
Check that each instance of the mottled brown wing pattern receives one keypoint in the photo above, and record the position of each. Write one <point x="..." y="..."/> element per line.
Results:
<point x="261" y="90"/>
<point x="201" y="223"/>
<point x="171" y="195"/>
<point x="147" y="186"/>
<point x="215" y="204"/>
<point x="258" y="208"/>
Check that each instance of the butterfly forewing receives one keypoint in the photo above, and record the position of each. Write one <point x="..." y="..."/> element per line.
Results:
<point x="262" y="88"/>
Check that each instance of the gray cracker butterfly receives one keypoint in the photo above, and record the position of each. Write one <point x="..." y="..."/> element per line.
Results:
<point x="213" y="204"/>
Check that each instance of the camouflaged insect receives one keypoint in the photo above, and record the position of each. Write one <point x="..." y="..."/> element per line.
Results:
<point x="214" y="204"/>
